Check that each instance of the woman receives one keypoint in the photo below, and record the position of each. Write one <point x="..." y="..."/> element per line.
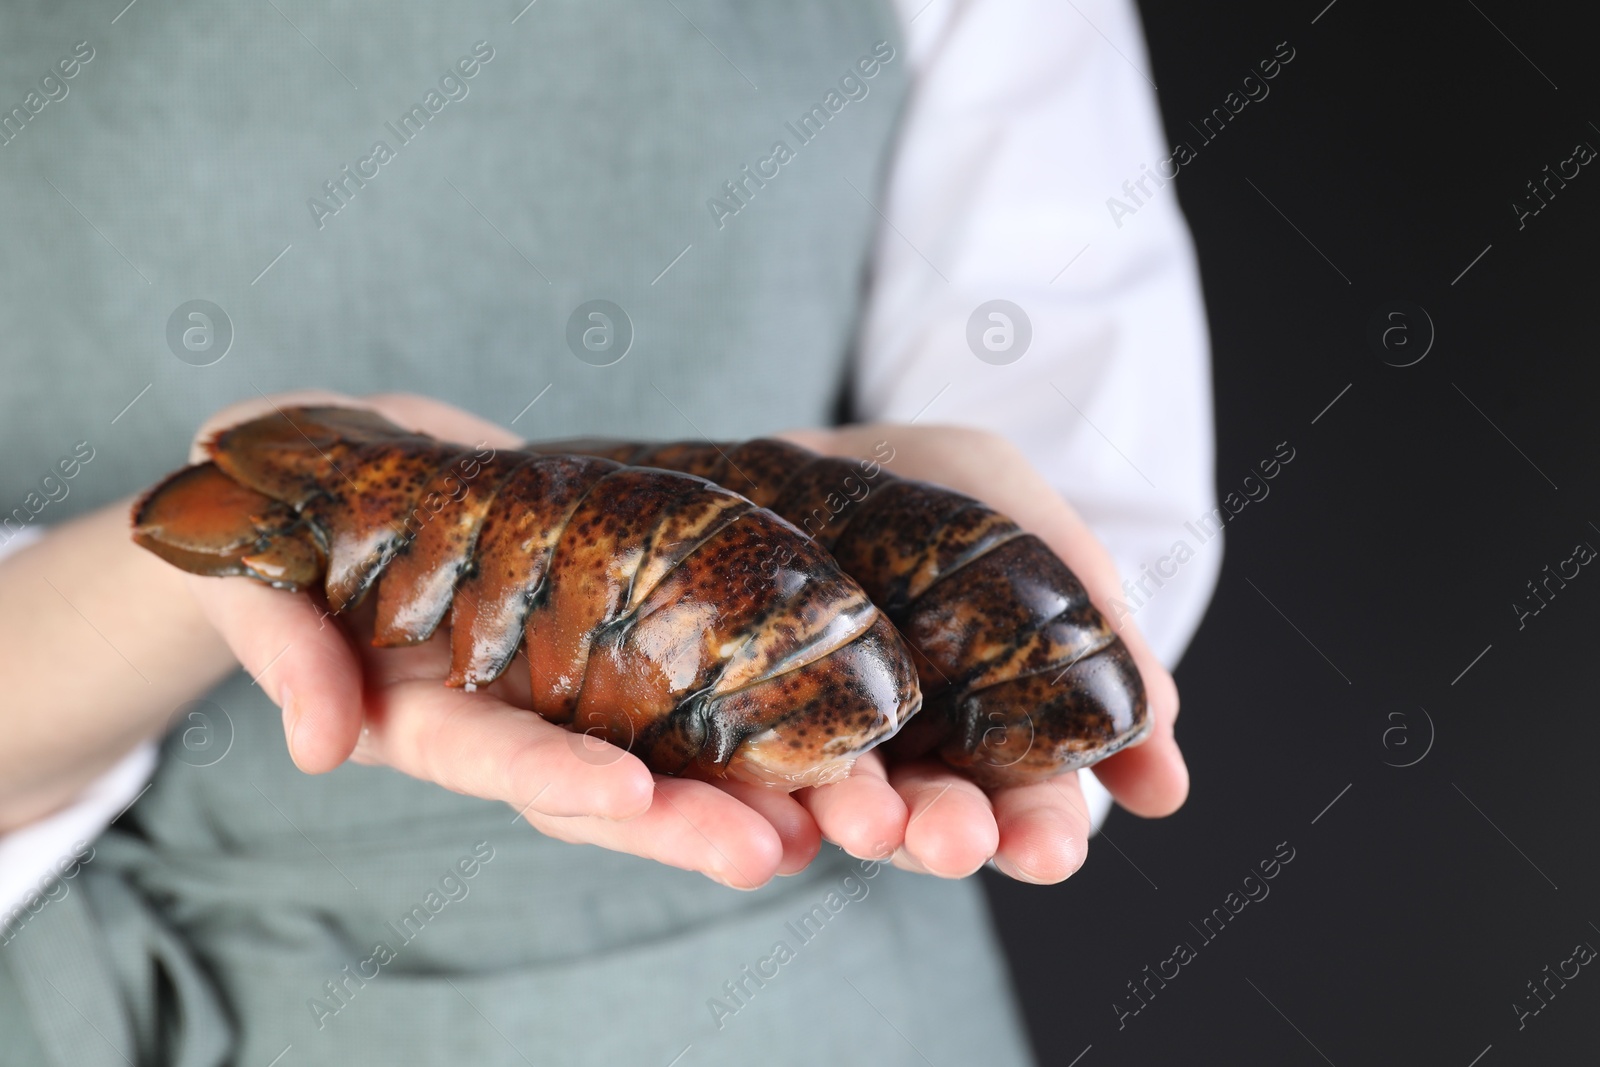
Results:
<point x="787" y="212"/>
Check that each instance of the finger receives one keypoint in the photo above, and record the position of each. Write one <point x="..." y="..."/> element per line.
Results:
<point x="299" y="656"/>
<point x="1161" y="691"/>
<point x="796" y="829"/>
<point x="1044" y="830"/>
<point x="1150" y="779"/>
<point x="289" y="644"/>
<point x="862" y="814"/>
<point x="951" y="831"/>
<point x="691" y="825"/>
<point x="440" y="420"/>
<point x="476" y="744"/>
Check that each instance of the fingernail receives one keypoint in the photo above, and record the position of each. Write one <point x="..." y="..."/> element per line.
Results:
<point x="906" y="862"/>
<point x="362" y="753"/>
<point x="291" y="720"/>
<point x="720" y="880"/>
<point x="1016" y="873"/>
<point x="880" y="852"/>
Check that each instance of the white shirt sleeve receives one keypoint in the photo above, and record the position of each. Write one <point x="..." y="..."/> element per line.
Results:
<point x="1025" y="118"/>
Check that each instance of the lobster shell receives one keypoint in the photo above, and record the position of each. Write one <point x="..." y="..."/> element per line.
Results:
<point x="1023" y="677"/>
<point x="642" y="598"/>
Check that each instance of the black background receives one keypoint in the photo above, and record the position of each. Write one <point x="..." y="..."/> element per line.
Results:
<point x="1392" y="550"/>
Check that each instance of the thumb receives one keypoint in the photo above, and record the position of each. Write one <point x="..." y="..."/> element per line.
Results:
<point x="300" y="657"/>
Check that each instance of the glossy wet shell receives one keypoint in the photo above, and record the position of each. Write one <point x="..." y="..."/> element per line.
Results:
<point x="664" y="613"/>
<point x="1023" y="677"/>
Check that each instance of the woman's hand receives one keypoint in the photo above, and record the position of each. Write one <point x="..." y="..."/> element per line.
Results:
<point x="343" y="699"/>
<point x="1039" y="832"/>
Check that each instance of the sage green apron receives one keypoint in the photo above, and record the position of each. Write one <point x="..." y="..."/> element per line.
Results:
<point x="533" y="162"/>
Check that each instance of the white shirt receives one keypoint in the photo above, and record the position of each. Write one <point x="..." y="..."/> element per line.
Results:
<point x="1025" y="117"/>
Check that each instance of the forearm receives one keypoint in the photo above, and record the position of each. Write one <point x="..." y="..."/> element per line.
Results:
<point x="99" y="644"/>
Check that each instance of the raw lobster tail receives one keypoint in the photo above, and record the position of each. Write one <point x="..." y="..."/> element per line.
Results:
<point x="1022" y="675"/>
<point x="645" y="600"/>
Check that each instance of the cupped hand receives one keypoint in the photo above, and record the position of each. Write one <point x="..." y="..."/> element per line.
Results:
<point x="343" y="699"/>
<point x="1037" y="832"/>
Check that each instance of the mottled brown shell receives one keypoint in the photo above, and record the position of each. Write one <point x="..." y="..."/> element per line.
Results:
<point x="1023" y="676"/>
<point x="647" y="602"/>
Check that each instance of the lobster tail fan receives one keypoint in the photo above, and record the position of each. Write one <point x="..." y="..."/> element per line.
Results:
<point x="353" y="475"/>
<point x="206" y="523"/>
